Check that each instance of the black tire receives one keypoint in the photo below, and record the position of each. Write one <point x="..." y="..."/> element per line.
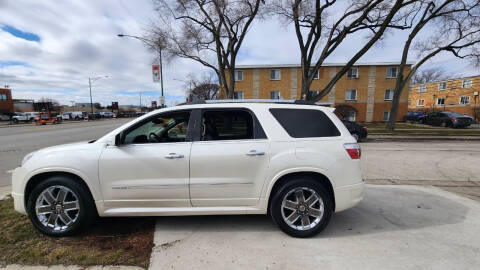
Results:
<point x="86" y="213"/>
<point x="300" y="182"/>
<point x="15" y="120"/>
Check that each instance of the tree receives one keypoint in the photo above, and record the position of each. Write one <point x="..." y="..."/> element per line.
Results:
<point x="429" y="75"/>
<point x="318" y="37"/>
<point x="451" y="26"/>
<point x="204" y="89"/>
<point x="206" y="28"/>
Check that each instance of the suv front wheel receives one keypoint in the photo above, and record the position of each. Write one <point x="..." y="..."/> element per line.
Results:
<point x="301" y="207"/>
<point x="60" y="206"/>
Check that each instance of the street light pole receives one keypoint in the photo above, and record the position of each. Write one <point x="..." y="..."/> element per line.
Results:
<point x="161" y="75"/>
<point x="91" y="100"/>
<point x="90" y="81"/>
<point x="152" y="43"/>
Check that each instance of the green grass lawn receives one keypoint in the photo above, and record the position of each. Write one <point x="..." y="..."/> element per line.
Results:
<point x="113" y="241"/>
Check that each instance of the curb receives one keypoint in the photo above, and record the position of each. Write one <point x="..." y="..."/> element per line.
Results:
<point x="421" y="138"/>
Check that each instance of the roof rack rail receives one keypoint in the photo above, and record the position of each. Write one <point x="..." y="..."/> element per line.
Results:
<point x="277" y="101"/>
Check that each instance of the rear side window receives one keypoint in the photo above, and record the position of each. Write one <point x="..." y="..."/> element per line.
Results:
<point x="300" y="123"/>
<point x="227" y="125"/>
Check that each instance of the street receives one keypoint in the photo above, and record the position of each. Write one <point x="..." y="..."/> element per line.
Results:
<point x="16" y="142"/>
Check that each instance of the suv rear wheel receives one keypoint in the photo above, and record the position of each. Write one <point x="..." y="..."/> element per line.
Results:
<point x="301" y="207"/>
<point x="59" y="206"/>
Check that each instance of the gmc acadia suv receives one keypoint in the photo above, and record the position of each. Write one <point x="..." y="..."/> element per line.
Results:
<point x="295" y="162"/>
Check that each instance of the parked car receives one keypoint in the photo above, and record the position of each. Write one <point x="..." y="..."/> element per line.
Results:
<point x="107" y="114"/>
<point x="23" y="117"/>
<point x="67" y="116"/>
<point x="209" y="159"/>
<point x="358" y="131"/>
<point x="4" y="117"/>
<point x="448" y="119"/>
<point x="78" y="115"/>
<point x="414" y="117"/>
<point x="94" y="116"/>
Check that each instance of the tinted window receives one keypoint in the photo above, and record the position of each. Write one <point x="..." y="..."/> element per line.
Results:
<point x="301" y="123"/>
<point x="227" y="125"/>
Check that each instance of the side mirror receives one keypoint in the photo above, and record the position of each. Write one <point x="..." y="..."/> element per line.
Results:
<point x="119" y="138"/>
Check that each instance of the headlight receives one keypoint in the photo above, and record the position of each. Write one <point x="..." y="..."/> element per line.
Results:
<point x="27" y="157"/>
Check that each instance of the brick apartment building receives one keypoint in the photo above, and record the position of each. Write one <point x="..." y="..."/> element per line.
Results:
<point x="457" y="95"/>
<point x="363" y="95"/>
<point x="6" y="101"/>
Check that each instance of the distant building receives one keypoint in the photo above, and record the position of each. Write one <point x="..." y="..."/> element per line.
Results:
<point x="457" y="95"/>
<point x="364" y="94"/>
<point x="6" y="101"/>
<point x="87" y="104"/>
<point x="23" y="105"/>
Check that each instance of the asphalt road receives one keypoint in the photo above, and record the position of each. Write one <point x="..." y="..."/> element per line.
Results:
<point x="16" y="142"/>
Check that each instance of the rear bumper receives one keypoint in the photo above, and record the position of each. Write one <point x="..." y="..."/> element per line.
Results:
<point x="348" y="196"/>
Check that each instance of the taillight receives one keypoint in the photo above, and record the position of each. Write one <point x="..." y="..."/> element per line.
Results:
<point x="364" y="127"/>
<point x="454" y="119"/>
<point x="353" y="149"/>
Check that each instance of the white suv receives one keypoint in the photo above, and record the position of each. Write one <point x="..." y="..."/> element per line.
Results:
<point x="295" y="162"/>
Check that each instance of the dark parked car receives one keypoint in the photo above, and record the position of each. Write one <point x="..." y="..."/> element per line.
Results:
<point x="358" y="131"/>
<point x="414" y="116"/>
<point x="448" y="119"/>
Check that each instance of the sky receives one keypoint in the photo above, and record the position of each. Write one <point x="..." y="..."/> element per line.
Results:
<point x="49" y="49"/>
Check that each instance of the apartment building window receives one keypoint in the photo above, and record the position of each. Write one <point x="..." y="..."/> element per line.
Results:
<point x="386" y="116"/>
<point x="275" y="95"/>
<point x="422" y="88"/>
<point x="238" y="75"/>
<point x="351" y="94"/>
<point x="442" y="86"/>
<point x="467" y="84"/>
<point x="352" y="73"/>
<point x="275" y="74"/>
<point x="440" y="101"/>
<point x="391" y="72"/>
<point x="3" y="97"/>
<point x="238" y="95"/>
<point x="389" y="94"/>
<point x="421" y="102"/>
<point x="409" y="102"/>
<point x="316" y="76"/>
<point x="350" y="116"/>
<point x="465" y="100"/>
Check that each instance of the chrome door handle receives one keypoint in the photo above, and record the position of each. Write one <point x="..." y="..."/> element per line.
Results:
<point x="255" y="153"/>
<point x="173" y="156"/>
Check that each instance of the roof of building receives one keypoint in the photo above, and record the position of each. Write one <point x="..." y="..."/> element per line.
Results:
<point x="323" y="65"/>
<point x="446" y="80"/>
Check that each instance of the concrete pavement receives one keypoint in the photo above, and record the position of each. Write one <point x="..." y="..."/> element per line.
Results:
<point x="439" y="160"/>
<point x="394" y="227"/>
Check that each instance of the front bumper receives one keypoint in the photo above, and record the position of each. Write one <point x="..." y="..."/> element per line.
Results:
<point x="18" y="189"/>
<point x="348" y="196"/>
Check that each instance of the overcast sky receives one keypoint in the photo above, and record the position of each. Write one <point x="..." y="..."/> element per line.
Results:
<point x="50" y="49"/>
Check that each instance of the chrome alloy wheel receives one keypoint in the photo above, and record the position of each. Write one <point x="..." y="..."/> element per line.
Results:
<point x="57" y="208"/>
<point x="302" y="208"/>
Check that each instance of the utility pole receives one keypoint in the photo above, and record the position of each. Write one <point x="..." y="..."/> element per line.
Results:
<point x="140" y="101"/>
